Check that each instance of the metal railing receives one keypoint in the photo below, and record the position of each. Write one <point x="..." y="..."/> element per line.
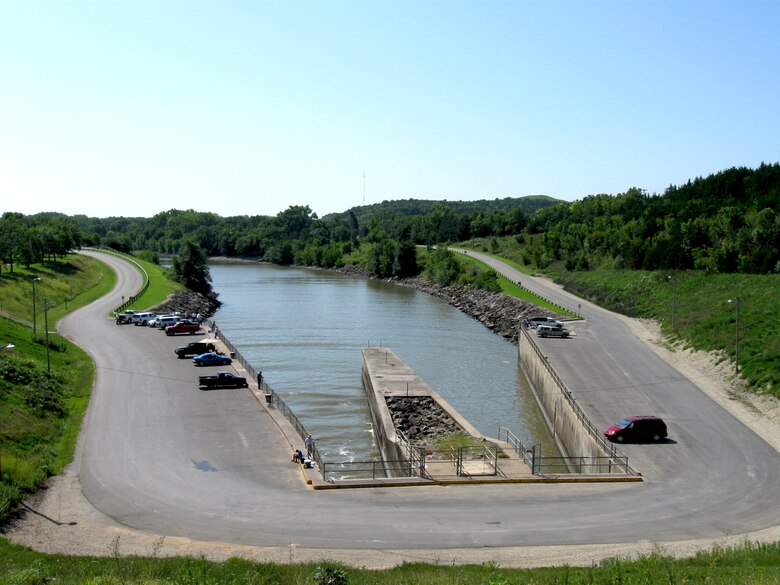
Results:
<point x="132" y="298"/>
<point x="517" y="283"/>
<point x="583" y="465"/>
<point x="418" y="462"/>
<point x="609" y="450"/>
<point x="271" y="397"/>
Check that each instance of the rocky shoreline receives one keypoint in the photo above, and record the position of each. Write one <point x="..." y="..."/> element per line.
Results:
<point x="188" y="302"/>
<point x="499" y="312"/>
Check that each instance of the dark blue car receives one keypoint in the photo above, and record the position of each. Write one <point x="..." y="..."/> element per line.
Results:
<point x="212" y="359"/>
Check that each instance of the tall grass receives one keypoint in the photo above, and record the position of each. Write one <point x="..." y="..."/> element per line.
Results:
<point x="748" y="563"/>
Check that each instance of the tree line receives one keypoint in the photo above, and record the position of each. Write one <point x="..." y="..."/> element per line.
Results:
<point x="32" y="239"/>
<point x="726" y="222"/>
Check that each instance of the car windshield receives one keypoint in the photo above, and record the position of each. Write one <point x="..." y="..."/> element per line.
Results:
<point x="623" y="423"/>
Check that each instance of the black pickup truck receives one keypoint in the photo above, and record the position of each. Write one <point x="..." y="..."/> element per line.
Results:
<point x="194" y="348"/>
<point x="222" y="380"/>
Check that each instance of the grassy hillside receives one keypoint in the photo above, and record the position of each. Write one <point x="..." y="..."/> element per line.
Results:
<point x="703" y="316"/>
<point x="41" y="410"/>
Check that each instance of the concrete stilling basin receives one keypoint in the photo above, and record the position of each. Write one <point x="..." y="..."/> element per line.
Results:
<point x="159" y="455"/>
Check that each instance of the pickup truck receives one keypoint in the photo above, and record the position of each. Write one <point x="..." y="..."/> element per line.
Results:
<point x="195" y="348"/>
<point x="124" y="318"/>
<point x="183" y="327"/>
<point x="222" y="380"/>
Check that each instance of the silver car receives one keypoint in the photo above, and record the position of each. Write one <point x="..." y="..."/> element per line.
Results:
<point x="550" y="331"/>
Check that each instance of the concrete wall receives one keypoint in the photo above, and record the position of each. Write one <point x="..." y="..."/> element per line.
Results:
<point x="384" y="430"/>
<point x="567" y="422"/>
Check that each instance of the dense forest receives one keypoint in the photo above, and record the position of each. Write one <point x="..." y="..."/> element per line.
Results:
<point x="726" y="222"/>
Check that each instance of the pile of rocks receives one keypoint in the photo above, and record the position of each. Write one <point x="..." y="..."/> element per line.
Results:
<point x="498" y="312"/>
<point x="421" y="419"/>
<point x="188" y="302"/>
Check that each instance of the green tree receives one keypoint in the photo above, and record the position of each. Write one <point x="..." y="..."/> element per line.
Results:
<point x="190" y="268"/>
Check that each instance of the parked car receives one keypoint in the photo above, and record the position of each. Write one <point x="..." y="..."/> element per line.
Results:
<point x="183" y="327"/>
<point x="124" y="318"/>
<point x="212" y="359"/>
<point x="549" y="331"/>
<point x="223" y="380"/>
<point x="195" y="348"/>
<point x="637" y="428"/>
<point x="162" y="321"/>
<point x="142" y="319"/>
<point x="536" y="321"/>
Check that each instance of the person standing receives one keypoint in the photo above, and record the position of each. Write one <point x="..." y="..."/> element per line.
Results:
<point x="309" y="442"/>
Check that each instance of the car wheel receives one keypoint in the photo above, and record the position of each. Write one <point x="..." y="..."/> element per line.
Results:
<point x="544" y="335"/>
<point x="619" y="438"/>
<point x="656" y="438"/>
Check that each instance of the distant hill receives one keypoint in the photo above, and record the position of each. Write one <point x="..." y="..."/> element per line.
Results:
<point x="529" y="204"/>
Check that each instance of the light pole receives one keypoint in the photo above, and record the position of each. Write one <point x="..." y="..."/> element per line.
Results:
<point x="674" y="299"/>
<point x="46" y="325"/>
<point x="34" y="280"/>
<point x="736" y="359"/>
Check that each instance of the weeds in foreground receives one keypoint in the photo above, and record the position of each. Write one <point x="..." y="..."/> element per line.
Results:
<point x="748" y="563"/>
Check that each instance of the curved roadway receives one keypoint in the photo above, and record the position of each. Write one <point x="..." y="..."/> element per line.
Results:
<point x="158" y="454"/>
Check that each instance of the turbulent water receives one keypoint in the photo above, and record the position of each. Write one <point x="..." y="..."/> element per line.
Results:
<point x="304" y="330"/>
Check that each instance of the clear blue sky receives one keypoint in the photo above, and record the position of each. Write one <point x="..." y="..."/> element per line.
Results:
<point x="132" y="108"/>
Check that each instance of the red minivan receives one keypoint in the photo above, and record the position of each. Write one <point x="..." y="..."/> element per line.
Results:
<point x="637" y="428"/>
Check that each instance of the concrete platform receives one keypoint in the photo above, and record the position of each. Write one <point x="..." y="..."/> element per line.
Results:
<point x="397" y="378"/>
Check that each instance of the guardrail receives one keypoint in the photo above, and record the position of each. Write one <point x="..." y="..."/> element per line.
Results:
<point x="271" y="396"/>
<point x="610" y="450"/>
<point x="139" y="294"/>
<point x="518" y="283"/>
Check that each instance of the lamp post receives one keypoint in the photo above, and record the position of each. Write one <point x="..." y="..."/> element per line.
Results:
<point x="46" y="326"/>
<point x="736" y="359"/>
<point x="34" y="280"/>
<point x="674" y="299"/>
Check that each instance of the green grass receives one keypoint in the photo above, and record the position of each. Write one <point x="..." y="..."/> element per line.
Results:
<point x="703" y="317"/>
<point x="34" y="444"/>
<point x="68" y="284"/>
<point x="160" y="284"/>
<point x="37" y="442"/>
<point x="513" y="289"/>
<point x="748" y="564"/>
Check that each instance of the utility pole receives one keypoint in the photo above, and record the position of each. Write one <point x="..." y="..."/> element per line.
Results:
<point x="35" y="322"/>
<point x="46" y="325"/>
<point x="364" y="187"/>
<point x="736" y="358"/>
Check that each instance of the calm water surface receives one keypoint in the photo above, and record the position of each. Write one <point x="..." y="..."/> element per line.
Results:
<point x="304" y="330"/>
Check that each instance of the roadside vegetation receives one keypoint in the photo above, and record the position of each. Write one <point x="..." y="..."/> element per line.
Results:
<point x="41" y="411"/>
<point x="747" y="564"/>
<point x="695" y="309"/>
<point x="703" y="259"/>
<point x="41" y="407"/>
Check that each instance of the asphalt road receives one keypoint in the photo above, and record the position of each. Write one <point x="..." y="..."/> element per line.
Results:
<point x="158" y="454"/>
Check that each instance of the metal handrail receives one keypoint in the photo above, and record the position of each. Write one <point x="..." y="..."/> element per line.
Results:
<point x="609" y="449"/>
<point x="139" y="294"/>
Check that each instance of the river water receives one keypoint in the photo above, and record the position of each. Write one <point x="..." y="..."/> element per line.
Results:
<point x="304" y="329"/>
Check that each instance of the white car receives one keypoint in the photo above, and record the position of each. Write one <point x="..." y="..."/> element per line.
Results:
<point x="143" y="318"/>
<point x="549" y="331"/>
<point x="164" y="320"/>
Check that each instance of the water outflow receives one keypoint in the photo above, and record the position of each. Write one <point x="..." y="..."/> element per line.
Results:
<point x="304" y="330"/>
